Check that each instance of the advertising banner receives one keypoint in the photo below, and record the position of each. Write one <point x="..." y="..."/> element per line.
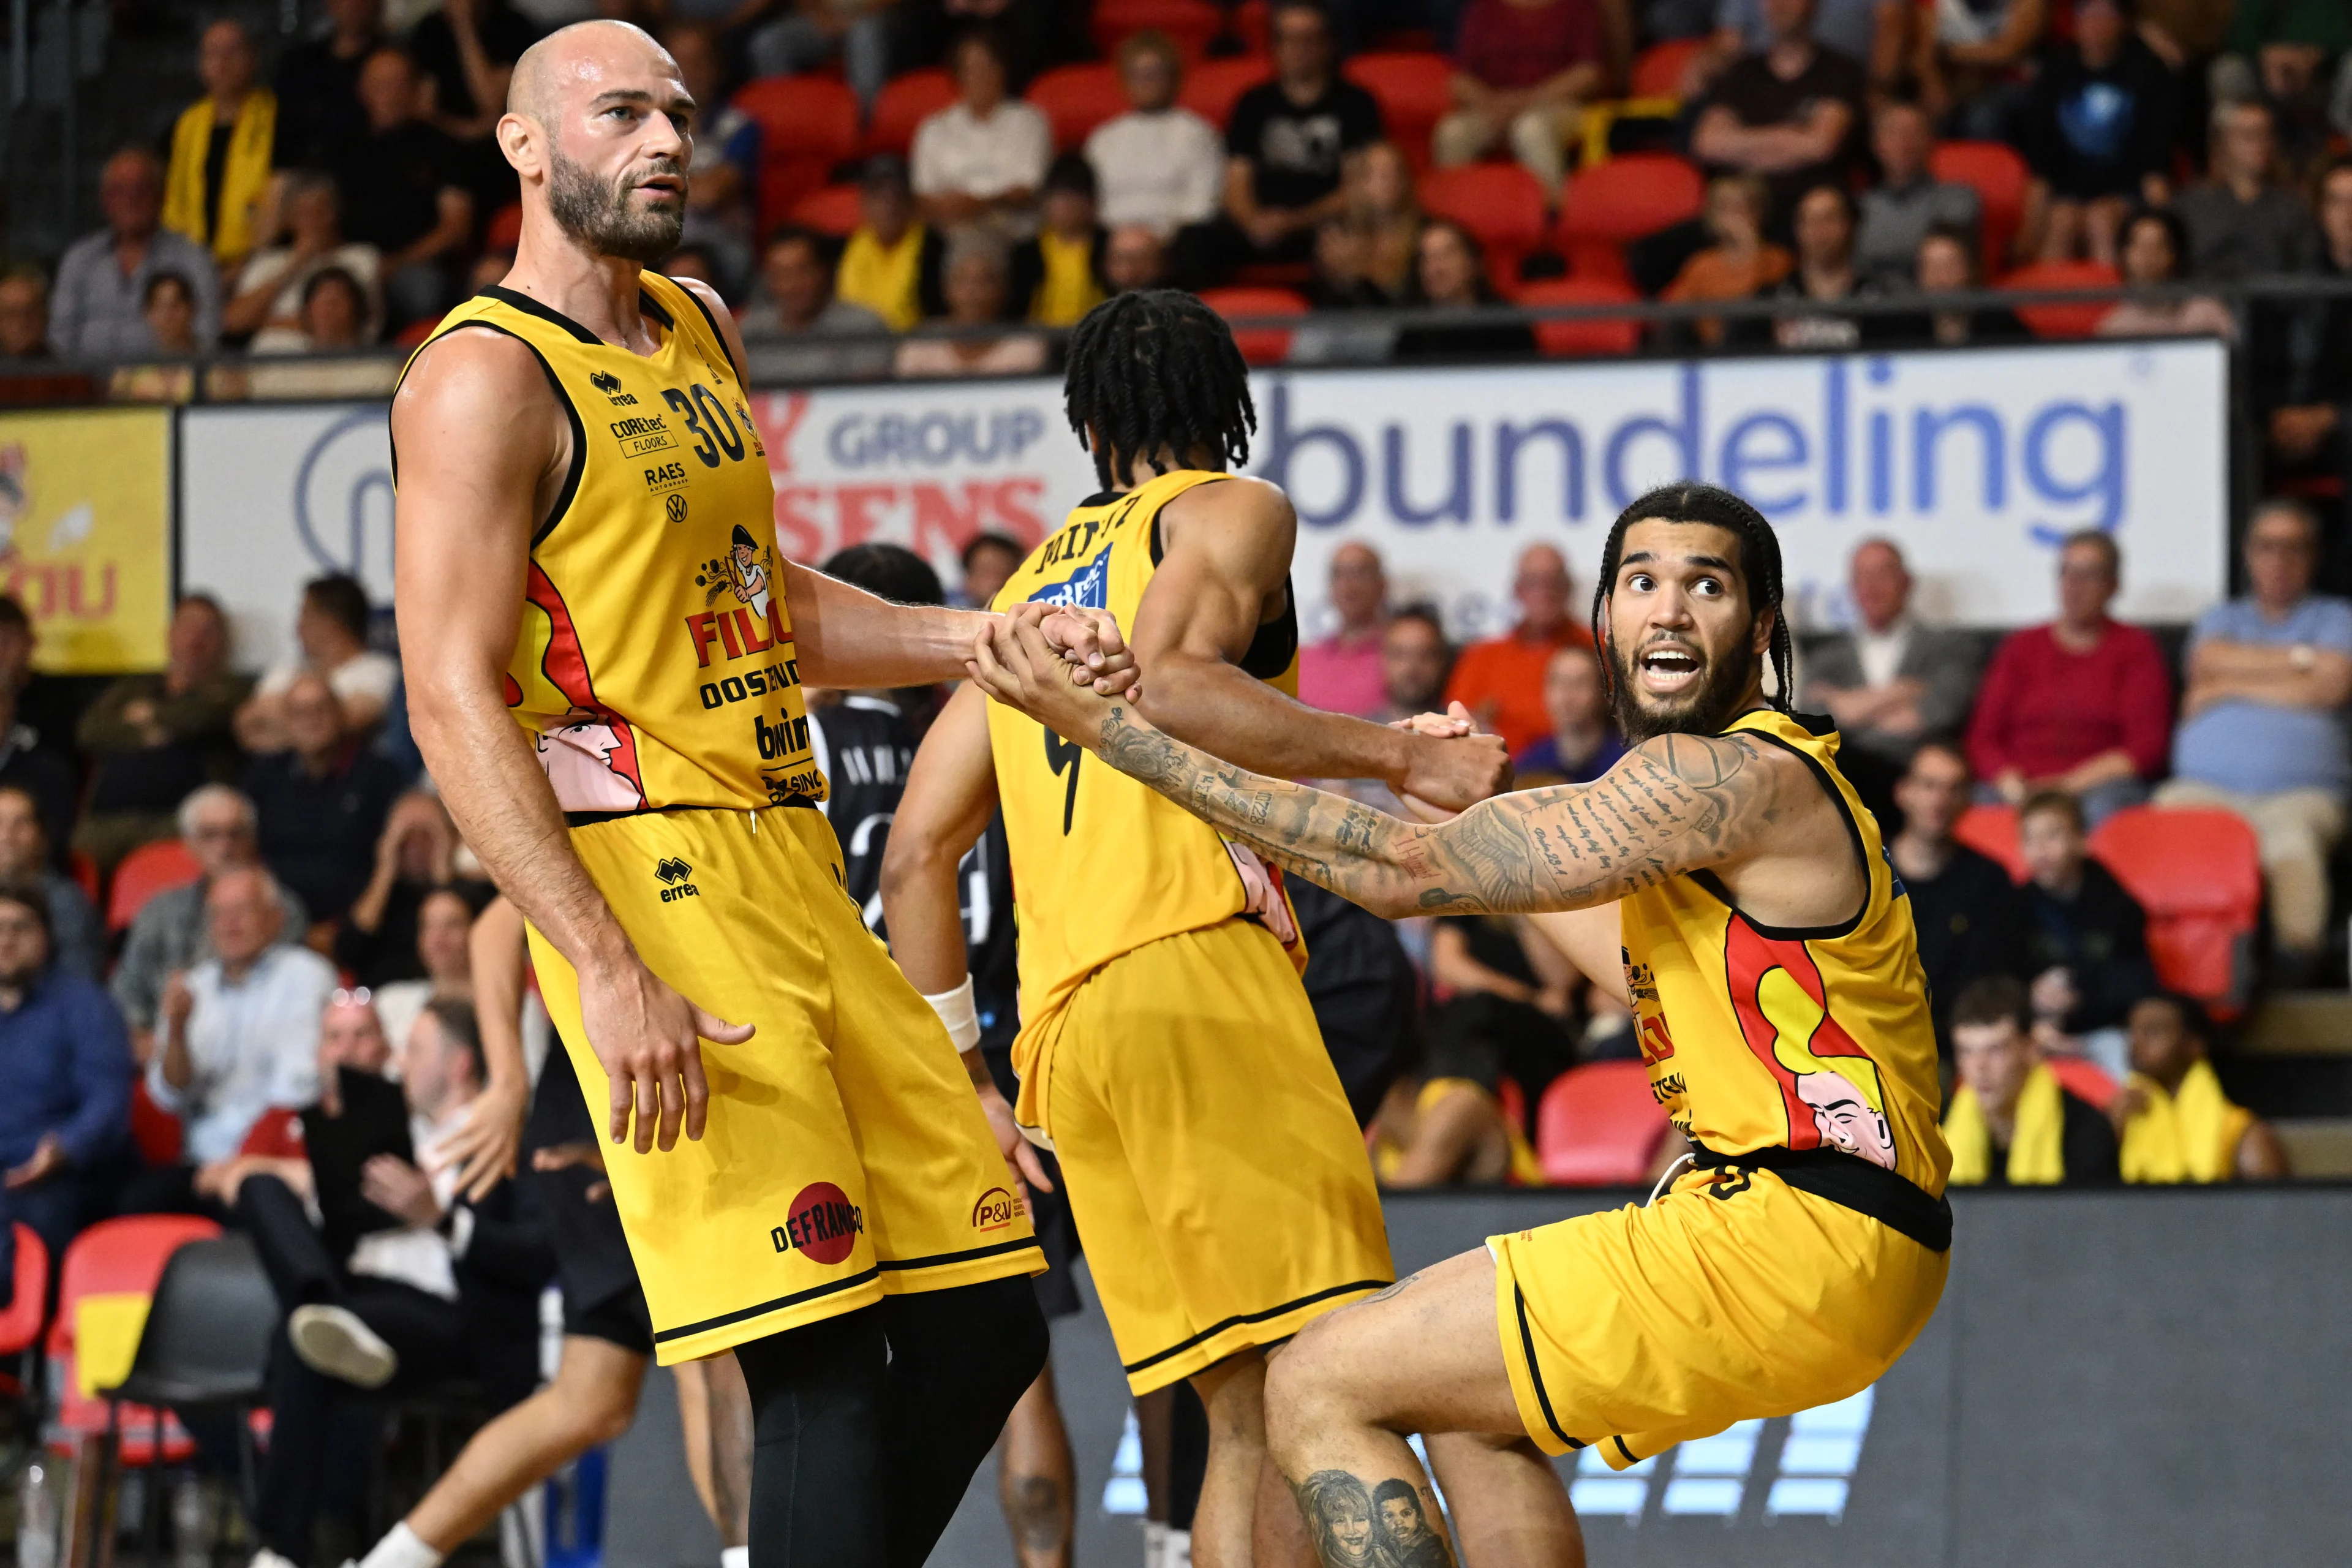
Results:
<point x="86" y="535"/>
<point x="1977" y="462"/>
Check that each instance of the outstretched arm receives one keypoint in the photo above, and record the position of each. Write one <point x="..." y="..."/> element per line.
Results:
<point x="850" y="639"/>
<point x="1673" y="805"/>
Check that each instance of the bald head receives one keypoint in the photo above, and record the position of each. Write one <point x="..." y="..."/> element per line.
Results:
<point x="597" y="127"/>
<point x="579" y="62"/>
<point x="1541" y="586"/>
<point x="1880" y="583"/>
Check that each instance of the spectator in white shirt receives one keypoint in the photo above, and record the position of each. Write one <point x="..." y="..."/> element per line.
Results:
<point x="240" y="1031"/>
<point x="270" y="286"/>
<point x="1157" y="164"/>
<point x="331" y="628"/>
<point x="980" y="159"/>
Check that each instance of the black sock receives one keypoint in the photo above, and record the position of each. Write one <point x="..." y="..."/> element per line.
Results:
<point x="960" y="1361"/>
<point x="818" y="1474"/>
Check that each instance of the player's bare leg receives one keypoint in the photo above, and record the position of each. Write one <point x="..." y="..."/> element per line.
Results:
<point x="1508" y="1505"/>
<point x="1037" y="1480"/>
<point x="1278" y="1533"/>
<point x="694" y="1430"/>
<point x="1234" y="1390"/>
<point x="728" y="1401"/>
<point x="1422" y="1356"/>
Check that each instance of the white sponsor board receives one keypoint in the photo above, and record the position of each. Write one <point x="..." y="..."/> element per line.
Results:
<point x="1976" y="462"/>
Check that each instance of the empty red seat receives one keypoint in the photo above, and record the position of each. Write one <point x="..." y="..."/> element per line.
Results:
<point x="1576" y="340"/>
<point x="1502" y="204"/>
<point x="1620" y="200"/>
<point x="2198" y="874"/>
<point x="1599" y="1126"/>
<point x="1254" y="25"/>
<point x="1259" y="345"/>
<point x="2084" y="1079"/>
<point x="148" y="870"/>
<point x="905" y="102"/>
<point x="1191" y="25"/>
<point x="1211" y="86"/>
<point x="1415" y="92"/>
<point x="828" y="209"/>
<point x="1077" y="99"/>
<point x="21" y="1320"/>
<point x="2064" y="318"/>
<point x="1658" y="69"/>
<point x="1992" y="831"/>
<point x="807" y="124"/>
<point x="1998" y="176"/>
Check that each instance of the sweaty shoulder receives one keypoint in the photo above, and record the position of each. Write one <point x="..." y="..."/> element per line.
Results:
<point x="478" y="400"/>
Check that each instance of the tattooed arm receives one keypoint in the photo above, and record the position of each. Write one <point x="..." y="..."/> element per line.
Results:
<point x="1673" y="805"/>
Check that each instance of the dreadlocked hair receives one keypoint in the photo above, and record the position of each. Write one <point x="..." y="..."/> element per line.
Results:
<point x="1760" y="570"/>
<point x="1155" y="375"/>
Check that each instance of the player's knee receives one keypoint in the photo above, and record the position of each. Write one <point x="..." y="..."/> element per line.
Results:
<point x="1305" y="1391"/>
<point x="1036" y="1510"/>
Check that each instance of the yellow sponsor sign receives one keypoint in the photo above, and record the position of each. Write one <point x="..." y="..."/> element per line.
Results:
<point x="86" y="533"/>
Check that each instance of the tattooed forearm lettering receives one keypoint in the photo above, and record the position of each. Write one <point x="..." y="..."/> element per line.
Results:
<point x="1672" y="806"/>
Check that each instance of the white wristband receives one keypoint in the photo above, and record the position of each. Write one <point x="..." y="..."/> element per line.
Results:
<point x="956" y="1011"/>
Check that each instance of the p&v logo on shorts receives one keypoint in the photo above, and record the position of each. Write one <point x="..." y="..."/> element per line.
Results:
<point x="822" y="1227"/>
<point x="672" y="873"/>
<point x="996" y="1209"/>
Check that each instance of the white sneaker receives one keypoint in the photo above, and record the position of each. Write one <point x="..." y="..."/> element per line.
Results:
<point x="265" y="1558"/>
<point x="1155" y="1544"/>
<point x="1179" y="1549"/>
<point x="334" y="1340"/>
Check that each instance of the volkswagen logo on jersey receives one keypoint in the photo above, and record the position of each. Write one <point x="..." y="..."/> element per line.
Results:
<point x="1088" y="588"/>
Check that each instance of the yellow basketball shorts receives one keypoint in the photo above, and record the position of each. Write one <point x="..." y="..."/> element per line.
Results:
<point x="845" y="1154"/>
<point x="1640" y="1328"/>
<point x="1216" y="1174"/>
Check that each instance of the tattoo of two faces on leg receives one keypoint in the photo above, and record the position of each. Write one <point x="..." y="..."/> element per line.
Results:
<point x="1392" y="1523"/>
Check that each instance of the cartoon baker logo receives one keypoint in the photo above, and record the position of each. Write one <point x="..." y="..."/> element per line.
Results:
<point x="1830" y="1088"/>
<point x="743" y="572"/>
<point x="589" y="762"/>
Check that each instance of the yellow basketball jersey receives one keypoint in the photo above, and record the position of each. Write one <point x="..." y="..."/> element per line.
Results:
<point x="1759" y="1037"/>
<point x="1101" y="864"/>
<point x="655" y="665"/>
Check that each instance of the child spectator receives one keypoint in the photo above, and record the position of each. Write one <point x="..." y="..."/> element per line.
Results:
<point x="1523" y="71"/>
<point x="1057" y="274"/>
<point x="1158" y="165"/>
<point x="891" y="264"/>
<point x="169" y="308"/>
<point x="2010" y="1122"/>
<point x="1897" y="212"/>
<point x="981" y="159"/>
<point x="1741" y="263"/>
<point x="2153" y="242"/>
<point x="2178" y="1124"/>
<point x="2097" y="130"/>
<point x="978" y="284"/>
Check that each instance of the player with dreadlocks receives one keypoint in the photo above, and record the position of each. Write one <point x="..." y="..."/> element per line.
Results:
<point x="1723" y="881"/>
<point x="1167" y="1051"/>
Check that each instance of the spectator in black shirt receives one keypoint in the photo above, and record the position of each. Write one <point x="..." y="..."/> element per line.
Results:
<point x="403" y="192"/>
<point x="2011" y="1122"/>
<point x="155" y="738"/>
<point x="1789" y="114"/>
<point x="320" y="803"/>
<point x="2086" y="937"/>
<point x="2306" y="382"/>
<point x="2242" y="221"/>
<point x="1969" y="918"/>
<point x="1947" y="264"/>
<point x="416" y="857"/>
<point x="1449" y="273"/>
<point x="318" y="85"/>
<point x="1825" y="275"/>
<point x="1286" y="146"/>
<point x="2097" y="130"/>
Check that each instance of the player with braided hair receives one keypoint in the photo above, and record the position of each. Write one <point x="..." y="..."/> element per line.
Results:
<point x="1166" y="1048"/>
<point x="1723" y="881"/>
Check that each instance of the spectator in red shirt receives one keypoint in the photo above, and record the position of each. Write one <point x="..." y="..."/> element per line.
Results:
<point x="2083" y="705"/>
<point x="1524" y="70"/>
<point x="1501" y="680"/>
<point x="1342" y="673"/>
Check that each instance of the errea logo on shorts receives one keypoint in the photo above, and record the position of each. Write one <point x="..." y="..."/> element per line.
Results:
<point x="822" y="1225"/>
<point x="672" y="873"/>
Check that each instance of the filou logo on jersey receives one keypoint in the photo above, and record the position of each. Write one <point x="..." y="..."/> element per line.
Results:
<point x="674" y="875"/>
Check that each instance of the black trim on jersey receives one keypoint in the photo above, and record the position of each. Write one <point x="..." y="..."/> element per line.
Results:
<point x="1100" y="498"/>
<point x="940" y="1259"/>
<point x="1850" y="1182"/>
<point x="655" y="308"/>
<point x="1214" y="1330"/>
<point x="1155" y="515"/>
<point x="1535" y="1372"/>
<point x="1276" y="641"/>
<point x="578" y="466"/>
<point x="591" y="819"/>
<point x="1714" y="884"/>
<point x="724" y="347"/>
<point x="548" y="313"/>
<point x="795" y="1298"/>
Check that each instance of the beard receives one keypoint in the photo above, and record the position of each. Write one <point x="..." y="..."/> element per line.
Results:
<point x="600" y="216"/>
<point x="1704" y="708"/>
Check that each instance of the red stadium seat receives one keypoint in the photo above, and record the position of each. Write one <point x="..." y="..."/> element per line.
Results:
<point x="2064" y="321"/>
<point x="829" y="209"/>
<point x="505" y="232"/>
<point x="2198" y="874"/>
<point x="1211" y="86"/>
<point x="1992" y="831"/>
<point x="807" y="124"/>
<point x="1077" y="99"/>
<point x="1191" y="25"/>
<point x="905" y="102"/>
<point x="1254" y="25"/>
<point x="1502" y="204"/>
<point x="144" y="872"/>
<point x="1658" y="69"/>
<point x="116" y="1257"/>
<point x="2084" y="1079"/>
<point x="1259" y="345"/>
<point x="1599" y="1126"/>
<point x="1415" y="90"/>
<point x="1998" y="176"/>
<point x="20" y="1320"/>
<point x="1580" y="340"/>
<point x="1623" y="200"/>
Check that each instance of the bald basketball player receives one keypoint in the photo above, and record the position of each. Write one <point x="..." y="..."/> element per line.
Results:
<point x="604" y="653"/>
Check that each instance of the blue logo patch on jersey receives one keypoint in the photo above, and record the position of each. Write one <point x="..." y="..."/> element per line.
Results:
<point x="1888" y="855"/>
<point x="1088" y="588"/>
